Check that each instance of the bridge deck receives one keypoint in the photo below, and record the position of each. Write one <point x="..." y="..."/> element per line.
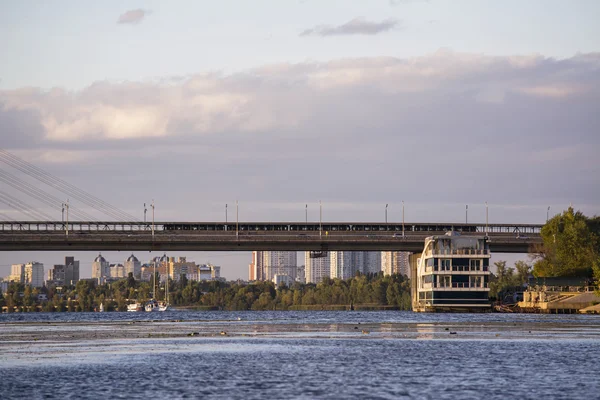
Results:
<point x="165" y="240"/>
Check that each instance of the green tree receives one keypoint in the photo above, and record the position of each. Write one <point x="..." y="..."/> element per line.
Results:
<point x="570" y="246"/>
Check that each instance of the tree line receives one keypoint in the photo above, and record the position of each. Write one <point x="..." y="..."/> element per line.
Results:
<point x="373" y="291"/>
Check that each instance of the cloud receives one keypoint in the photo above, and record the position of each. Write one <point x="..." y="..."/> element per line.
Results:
<point x="132" y="16"/>
<point x="447" y="127"/>
<point x="357" y="26"/>
<point x="394" y="3"/>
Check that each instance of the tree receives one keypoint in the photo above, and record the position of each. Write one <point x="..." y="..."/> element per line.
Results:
<point x="523" y="271"/>
<point x="570" y="246"/>
<point x="130" y="280"/>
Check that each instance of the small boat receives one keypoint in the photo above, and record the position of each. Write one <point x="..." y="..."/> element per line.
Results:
<point x="134" y="307"/>
<point x="101" y="307"/>
<point x="151" y="305"/>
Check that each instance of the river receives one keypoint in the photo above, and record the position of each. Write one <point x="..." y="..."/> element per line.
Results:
<point x="334" y="355"/>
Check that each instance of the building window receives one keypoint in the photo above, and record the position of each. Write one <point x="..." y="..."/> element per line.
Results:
<point x="475" y="265"/>
<point x="445" y="264"/>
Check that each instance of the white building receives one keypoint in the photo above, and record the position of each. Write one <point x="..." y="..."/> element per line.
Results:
<point x="279" y="263"/>
<point x="17" y="273"/>
<point x="209" y="272"/>
<point x="34" y="274"/>
<point x="345" y="264"/>
<point x="134" y="266"/>
<point x="279" y="280"/>
<point x="100" y="267"/>
<point x="316" y="268"/>
<point x="395" y="262"/>
<point x="117" y="271"/>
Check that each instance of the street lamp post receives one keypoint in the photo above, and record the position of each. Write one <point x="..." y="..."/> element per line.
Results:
<point x="152" y="205"/>
<point x="237" y="219"/>
<point x="63" y="212"/>
<point x="547" y="213"/>
<point x="225" y="212"/>
<point x="466" y="214"/>
<point x="386" y="207"/>
<point x="320" y="218"/>
<point x="402" y="218"/>
<point x="486" y="218"/>
<point x="145" y="209"/>
<point x="306" y="213"/>
<point x="67" y="226"/>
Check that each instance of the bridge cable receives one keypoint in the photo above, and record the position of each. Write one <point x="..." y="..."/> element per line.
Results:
<point x="65" y="187"/>
<point x="23" y="207"/>
<point x="41" y="195"/>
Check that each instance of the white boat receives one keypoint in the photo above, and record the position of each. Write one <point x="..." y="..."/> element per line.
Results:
<point x="452" y="274"/>
<point x="134" y="307"/>
<point x="101" y="307"/>
<point x="152" y="305"/>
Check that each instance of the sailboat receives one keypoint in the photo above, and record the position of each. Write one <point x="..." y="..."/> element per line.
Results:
<point x="153" y="304"/>
<point x="164" y="306"/>
<point x="101" y="307"/>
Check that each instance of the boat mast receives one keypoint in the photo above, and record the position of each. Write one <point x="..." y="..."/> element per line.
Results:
<point x="167" y="285"/>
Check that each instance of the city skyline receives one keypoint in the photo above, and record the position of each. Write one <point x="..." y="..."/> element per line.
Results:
<point x="355" y="108"/>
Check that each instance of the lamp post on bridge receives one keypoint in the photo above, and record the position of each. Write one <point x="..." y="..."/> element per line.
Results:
<point x="466" y="214"/>
<point x="152" y="205"/>
<point x="67" y="226"/>
<point x="320" y="218"/>
<point x="225" y="212"/>
<point x="145" y="209"/>
<point x="306" y="214"/>
<point x="402" y="219"/>
<point x="547" y="214"/>
<point x="237" y="219"/>
<point x="486" y="219"/>
<point x="386" y="207"/>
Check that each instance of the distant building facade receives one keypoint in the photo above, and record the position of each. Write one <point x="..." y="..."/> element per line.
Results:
<point x="395" y="262"/>
<point x="317" y="268"/>
<point x="65" y="274"/>
<point x="100" y="268"/>
<point x="345" y="264"/>
<point x="134" y="266"/>
<point x="34" y="274"/>
<point x="257" y="267"/>
<point x="17" y="273"/>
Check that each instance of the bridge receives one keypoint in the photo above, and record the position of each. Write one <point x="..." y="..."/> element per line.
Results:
<point x="249" y="236"/>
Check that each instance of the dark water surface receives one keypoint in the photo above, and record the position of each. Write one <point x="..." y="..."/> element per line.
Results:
<point x="282" y="355"/>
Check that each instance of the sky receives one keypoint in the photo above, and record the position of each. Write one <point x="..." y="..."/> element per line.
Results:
<point x="280" y="104"/>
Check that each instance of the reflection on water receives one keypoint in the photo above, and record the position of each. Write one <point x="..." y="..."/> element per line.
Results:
<point x="304" y="355"/>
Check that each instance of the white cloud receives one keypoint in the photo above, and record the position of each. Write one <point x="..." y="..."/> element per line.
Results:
<point x="356" y="26"/>
<point x="132" y="16"/>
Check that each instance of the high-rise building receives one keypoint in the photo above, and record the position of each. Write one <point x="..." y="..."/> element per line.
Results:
<point x="180" y="267"/>
<point x="345" y="264"/>
<point x="209" y="272"/>
<point x="256" y="268"/>
<point x="133" y="266"/>
<point x="17" y="273"/>
<point x="372" y="262"/>
<point x="100" y="267"/>
<point x="71" y="270"/>
<point x="395" y="262"/>
<point x="65" y="274"/>
<point x="279" y="263"/>
<point x="315" y="269"/>
<point x="34" y="274"/>
<point x="117" y="271"/>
